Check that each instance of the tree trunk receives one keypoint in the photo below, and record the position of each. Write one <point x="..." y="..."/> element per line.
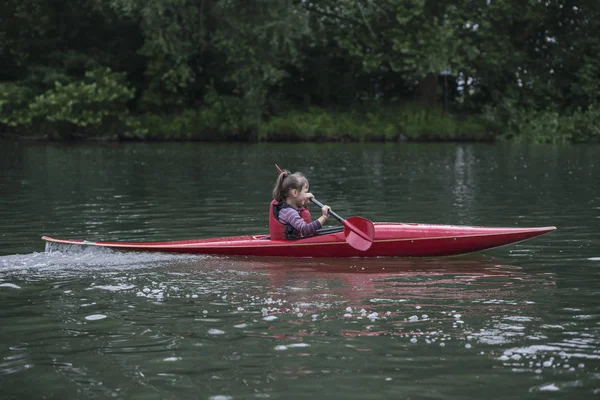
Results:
<point x="426" y="91"/>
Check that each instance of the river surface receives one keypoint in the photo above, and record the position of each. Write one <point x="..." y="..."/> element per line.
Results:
<point x="521" y="321"/>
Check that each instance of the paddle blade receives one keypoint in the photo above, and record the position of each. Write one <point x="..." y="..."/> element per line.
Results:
<point x="359" y="232"/>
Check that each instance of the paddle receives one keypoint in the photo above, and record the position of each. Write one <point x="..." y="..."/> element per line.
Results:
<point x="359" y="231"/>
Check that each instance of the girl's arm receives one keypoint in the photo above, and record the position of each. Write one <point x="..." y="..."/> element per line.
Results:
<point x="291" y="217"/>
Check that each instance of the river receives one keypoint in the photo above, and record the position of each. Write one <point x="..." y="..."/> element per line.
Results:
<point x="521" y="321"/>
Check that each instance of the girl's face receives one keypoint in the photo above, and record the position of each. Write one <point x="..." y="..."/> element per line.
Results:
<point x="300" y="197"/>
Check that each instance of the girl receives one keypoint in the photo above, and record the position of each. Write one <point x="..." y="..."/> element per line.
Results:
<point x="288" y="218"/>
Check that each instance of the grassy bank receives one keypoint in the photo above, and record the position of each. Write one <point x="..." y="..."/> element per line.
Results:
<point x="401" y="123"/>
<point x="407" y="123"/>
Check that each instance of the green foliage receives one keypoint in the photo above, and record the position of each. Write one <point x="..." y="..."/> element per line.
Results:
<point x="231" y="115"/>
<point x="401" y="123"/>
<point x="259" y="39"/>
<point x="545" y="126"/>
<point x="412" y="37"/>
<point x="584" y="125"/>
<point x="535" y="127"/>
<point x="222" y="118"/>
<point x="101" y="95"/>
<point x="175" y="38"/>
<point x="14" y="104"/>
<point x="189" y="125"/>
<point x="241" y="69"/>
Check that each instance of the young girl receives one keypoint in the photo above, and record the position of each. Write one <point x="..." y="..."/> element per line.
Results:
<point x="287" y="218"/>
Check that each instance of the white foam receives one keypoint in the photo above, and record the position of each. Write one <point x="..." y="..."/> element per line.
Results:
<point x="298" y="345"/>
<point x="215" y="332"/>
<point x="493" y="336"/>
<point x="583" y="316"/>
<point x="78" y="259"/>
<point x="519" y="318"/>
<point x="112" y="288"/>
<point x="378" y="300"/>
<point x="506" y="327"/>
<point x="548" y="326"/>
<point x="95" y="317"/>
<point x="10" y="285"/>
<point x="556" y="349"/>
<point x="171" y="359"/>
<point x="551" y="387"/>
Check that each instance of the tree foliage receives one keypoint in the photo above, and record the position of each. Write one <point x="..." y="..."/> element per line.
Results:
<point x="239" y="63"/>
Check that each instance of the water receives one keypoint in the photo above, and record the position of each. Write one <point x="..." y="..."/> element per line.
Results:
<point x="520" y="321"/>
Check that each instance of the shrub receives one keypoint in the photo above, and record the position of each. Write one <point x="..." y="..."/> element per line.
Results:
<point x="400" y="123"/>
<point x="96" y="102"/>
<point x="545" y="126"/>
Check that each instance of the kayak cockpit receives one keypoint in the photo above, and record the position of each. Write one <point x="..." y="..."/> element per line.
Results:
<point x="320" y="232"/>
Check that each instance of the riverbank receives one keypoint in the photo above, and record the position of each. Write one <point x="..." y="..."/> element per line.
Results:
<point x="406" y="123"/>
<point x="400" y="124"/>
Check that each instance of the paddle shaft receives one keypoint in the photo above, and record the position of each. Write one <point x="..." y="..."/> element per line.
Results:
<point x="331" y="212"/>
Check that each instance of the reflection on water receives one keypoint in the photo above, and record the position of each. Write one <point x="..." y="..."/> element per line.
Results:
<point x="114" y="324"/>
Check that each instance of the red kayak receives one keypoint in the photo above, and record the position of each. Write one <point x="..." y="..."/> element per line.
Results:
<point x="390" y="240"/>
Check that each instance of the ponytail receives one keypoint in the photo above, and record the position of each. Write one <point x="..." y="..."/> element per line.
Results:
<point x="278" y="194"/>
<point x="286" y="182"/>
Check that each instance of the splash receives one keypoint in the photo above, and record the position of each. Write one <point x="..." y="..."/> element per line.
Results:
<point x="68" y="259"/>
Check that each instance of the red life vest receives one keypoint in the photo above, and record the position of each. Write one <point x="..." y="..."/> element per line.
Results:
<point x="277" y="230"/>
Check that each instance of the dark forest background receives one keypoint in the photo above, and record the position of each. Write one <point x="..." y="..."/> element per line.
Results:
<point x="301" y="70"/>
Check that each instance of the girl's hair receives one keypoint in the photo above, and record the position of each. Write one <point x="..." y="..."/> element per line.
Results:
<point x="286" y="182"/>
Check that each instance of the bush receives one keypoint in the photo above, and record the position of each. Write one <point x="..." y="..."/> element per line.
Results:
<point x="221" y="118"/>
<point x="189" y="125"/>
<point x="14" y="104"/>
<point x="402" y="123"/>
<point x="584" y="125"/>
<point x="101" y="95"/>
<point x="98" y="101"/>
<point x="545" y="126"/>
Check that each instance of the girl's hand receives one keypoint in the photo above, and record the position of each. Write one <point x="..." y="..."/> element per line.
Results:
<point x="307" y="197"/>
<point x="324" y="214"/>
